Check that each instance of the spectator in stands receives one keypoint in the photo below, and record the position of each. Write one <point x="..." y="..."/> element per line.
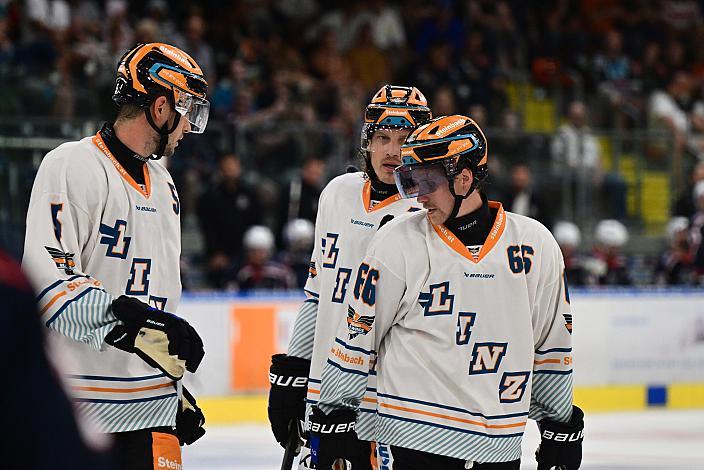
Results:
<point x="225" y="211"/>
<point x="259" y="271"/>
<point x="474" y="74"/>
<point x="522" y="198"/>
<point x="612" y="69"/>
<point x="368" y="64"/>
<point x="300" y="201"/>
<point x="568" y="236"/>
<point x="607" y="264"/>
<point x="684" y="205"/>
<point x="387" y="26"/>
<point x="576" y="158"/>
<point x="674" y="266"/>
<point x="193" y="42"/>
<point x="444" y="101"/>
<point x="651" y="70"/>
<point x="445" y="26"/>
<point x="696" y="222"/>
<point x="668" y="111"/>
<point x="299" y="235"/>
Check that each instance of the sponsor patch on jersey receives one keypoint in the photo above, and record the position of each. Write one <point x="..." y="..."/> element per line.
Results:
<point x="64" y="261"/>
<point x="312" y="271"/>
<point x="145" y="208"/>
<point x="361" y="223"/>
<point x="358" y="324"/>
<point x="478" y="275"/>
<point x="568" y="321"/>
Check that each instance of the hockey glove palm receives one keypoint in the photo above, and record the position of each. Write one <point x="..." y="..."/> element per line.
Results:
<point x="161" y="339"/>
<point x="189" y="420"/>
<point x="288" y="376"/>
<point x="332" y="437"/>
<point x="561" y="443"/>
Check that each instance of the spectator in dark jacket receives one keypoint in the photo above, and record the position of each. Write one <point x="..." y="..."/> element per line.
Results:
<point x="225" y="211"/>
<point x="521" y="197"/>
<point x="684" y="205"/>
<point x="300" y="201"/>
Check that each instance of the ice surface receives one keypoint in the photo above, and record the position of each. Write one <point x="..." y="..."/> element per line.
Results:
<point x="657" y="439"/>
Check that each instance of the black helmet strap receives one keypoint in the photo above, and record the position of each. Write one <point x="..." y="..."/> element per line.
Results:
<point x="163" y="131"/>
<point x="458" y="197"/>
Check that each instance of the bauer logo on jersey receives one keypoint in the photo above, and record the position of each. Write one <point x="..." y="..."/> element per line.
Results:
<point x="568" y="321"/>
<point x="358" y="324"/>
<point x="63" y="260"/>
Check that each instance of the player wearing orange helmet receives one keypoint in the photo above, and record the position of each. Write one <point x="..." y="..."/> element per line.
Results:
<point x="352" y="208"/>
<point x="463" y="314"/>
<point x="102" y="247"/>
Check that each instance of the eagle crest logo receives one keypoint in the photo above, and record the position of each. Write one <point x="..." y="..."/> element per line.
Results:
<point x="358" y="324"/>
<point x="63" y="260"/>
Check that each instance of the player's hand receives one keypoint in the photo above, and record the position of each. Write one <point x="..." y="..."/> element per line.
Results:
<point x="332" y="437"/>
<point x="189" y="420"/>
<point x="161" y="339"/>
<point x="561" y="443"/>
<point x="288" y="376"/>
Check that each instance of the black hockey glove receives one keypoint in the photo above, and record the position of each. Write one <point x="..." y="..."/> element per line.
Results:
<point x="332" y="437"/>
<point x="189" y="420"/>
<point x="561" y="443"/>
<point x="288" y="376"/>
<point x="161" y="339"/>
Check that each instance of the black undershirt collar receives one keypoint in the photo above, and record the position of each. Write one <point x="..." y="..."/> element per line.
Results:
<point x="472" y="229"/>
<point x="131" y="161"/>
<point x="381" y="191"/>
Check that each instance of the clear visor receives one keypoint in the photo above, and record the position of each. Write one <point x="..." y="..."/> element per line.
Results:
<point x="196" y="110"/>
<point x="418" y="180"/>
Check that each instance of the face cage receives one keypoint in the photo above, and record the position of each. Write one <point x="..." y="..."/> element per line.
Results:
<point x="418" y="180"/>
<point x="195" y="110"/>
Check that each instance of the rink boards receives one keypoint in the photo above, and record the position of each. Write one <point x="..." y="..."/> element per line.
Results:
<point x="633" y="349"/>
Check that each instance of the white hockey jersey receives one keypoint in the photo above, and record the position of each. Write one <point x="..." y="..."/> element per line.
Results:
<point x="345" y="225"/>
<point x="94" y="234"/>
<point x="467" y="349"/>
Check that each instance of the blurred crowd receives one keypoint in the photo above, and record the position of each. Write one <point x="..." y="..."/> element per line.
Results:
<point x="273" y="64"/>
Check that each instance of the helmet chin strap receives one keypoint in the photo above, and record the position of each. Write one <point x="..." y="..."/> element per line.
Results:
<point x="163" y="132"/>
<point x="458" y="198"/>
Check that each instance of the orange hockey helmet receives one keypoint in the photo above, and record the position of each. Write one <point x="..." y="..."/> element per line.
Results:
<point x="156" y="69"/>
<point x="392" y="107"/>
<point x="437" y="151"/>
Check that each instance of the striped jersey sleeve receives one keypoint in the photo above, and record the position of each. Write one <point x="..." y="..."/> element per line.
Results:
<point x="552" y="386"/>
<point x="301" y="342"/>
<point x="70" y="301"/>
<point x="377" y="293"/>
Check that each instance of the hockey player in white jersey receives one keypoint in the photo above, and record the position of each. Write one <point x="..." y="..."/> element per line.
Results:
<point x="467" y="308"/>
<point x="102" y="250"/>
<point x="352" y="208"/>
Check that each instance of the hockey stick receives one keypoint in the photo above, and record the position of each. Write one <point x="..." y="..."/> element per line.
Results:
<point x="293" y="446"/>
